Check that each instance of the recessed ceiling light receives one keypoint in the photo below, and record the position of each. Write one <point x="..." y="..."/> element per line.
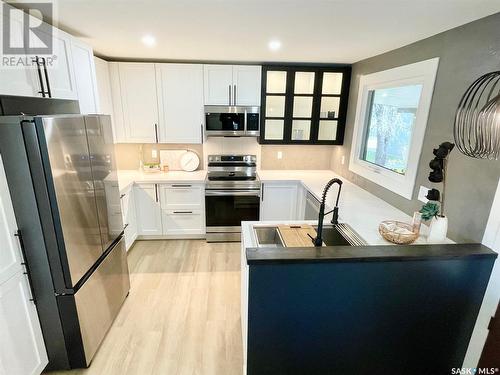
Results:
<point x="149" y="40"/>
<point x="274" y="45"/>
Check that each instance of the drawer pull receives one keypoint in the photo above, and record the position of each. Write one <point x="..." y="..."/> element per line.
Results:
<point x="180" y="185"/>
<point x="183" y="212"/>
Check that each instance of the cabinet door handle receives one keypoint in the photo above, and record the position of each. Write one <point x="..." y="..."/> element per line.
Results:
<point x="44" y="62"/>
<point x="26" y="265"/>
<point x="183" y="212"/>
<point x="156" y="133"/>
<point x="229" y="87"/>
<point x="36" y="60"/>
<point x="122" y="195"/>
<point x="181" y="185"/>
<point x="234" y="95"/>
<point x="262" y="193"/>
<point x="201" y="127"/>
<point x="156" y="192"/>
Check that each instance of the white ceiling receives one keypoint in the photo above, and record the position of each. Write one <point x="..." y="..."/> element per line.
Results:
<point x="342" y="31"/>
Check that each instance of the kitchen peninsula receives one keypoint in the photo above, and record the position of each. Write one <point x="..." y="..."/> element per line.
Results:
<point x="318" y="310"/>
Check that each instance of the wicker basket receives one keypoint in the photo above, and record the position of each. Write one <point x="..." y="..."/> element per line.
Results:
<point x="397" y="232"/>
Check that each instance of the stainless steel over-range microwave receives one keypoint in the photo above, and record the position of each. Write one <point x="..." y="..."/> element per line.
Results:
<point x="232" y="121"/>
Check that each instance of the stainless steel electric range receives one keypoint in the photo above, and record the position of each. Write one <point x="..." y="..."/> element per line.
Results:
<point x="232" y="195"/>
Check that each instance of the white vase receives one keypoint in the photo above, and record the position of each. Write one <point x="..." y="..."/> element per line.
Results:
<point x="438" y="229"/>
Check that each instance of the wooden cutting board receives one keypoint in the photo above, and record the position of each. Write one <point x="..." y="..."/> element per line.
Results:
<point x="297" y="235"/>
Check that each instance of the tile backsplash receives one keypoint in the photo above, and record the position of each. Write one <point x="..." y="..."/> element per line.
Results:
<point x="129" y="155"/>
<point x="296" y="156"/>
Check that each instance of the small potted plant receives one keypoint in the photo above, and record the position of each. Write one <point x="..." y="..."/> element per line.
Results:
<point x="434" y="209"/>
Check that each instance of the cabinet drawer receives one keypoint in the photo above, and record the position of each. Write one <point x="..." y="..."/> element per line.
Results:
<point x="183" y="222"/>
<point x="183" y="196"/>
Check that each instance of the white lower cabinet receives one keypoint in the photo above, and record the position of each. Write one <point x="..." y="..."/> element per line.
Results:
<point x="168" y="209"/>
<point x="148" y="210"/>
<point x="179" y="222"/>
<point x="183" y="209"/>
<point x="279" y="201"/>
<point x="129" y="217"/>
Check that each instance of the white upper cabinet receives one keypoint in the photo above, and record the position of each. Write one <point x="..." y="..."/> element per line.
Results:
<point x="139" y="102"/>
<point x="16" y="80"/>
<point x="118" y="122"/>
<point x="218" y="84"/>
<point x="85" y="76"/>
<point x="246" y="84"/>
<point x="103" y="83"/>
<point x="180" y="102"/>
<point x="232" y="84"/>
<point x="61" y="77"/>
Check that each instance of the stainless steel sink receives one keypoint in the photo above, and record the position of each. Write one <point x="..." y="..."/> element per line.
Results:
<point x="333" y="235"/>
<point x="268" y="236"/>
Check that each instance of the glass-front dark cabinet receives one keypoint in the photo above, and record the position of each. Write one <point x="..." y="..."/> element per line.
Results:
<point x="304" y="105"/>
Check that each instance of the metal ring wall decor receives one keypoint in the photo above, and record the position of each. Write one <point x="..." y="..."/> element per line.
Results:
<point x="477" y="120"/>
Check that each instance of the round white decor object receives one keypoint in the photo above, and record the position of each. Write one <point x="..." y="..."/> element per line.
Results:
<point x="189" y="161"/>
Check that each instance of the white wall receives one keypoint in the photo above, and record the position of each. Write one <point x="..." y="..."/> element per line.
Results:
<point x="492" y="296"/>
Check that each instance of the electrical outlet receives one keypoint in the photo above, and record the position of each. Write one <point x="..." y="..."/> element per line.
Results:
<point x="280" y="155"/>
<point x="342" y="160"/>
<point x="154" y="153"/>
<point x="422" y="193"/>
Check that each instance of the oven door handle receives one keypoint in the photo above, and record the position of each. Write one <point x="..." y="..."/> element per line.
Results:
<point x="222" y="193"/>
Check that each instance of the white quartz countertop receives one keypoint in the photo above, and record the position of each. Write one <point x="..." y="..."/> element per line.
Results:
<point x="127" y="177"/>
<point x="362" y="210"/>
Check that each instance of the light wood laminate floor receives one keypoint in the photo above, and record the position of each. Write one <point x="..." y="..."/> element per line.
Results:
<point x="182" y="316"/>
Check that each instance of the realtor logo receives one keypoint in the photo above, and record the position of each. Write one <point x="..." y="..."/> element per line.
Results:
<point x="25" y="35"/>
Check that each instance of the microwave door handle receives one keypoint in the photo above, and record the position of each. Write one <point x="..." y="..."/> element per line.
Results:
<point x="245" y="115"/>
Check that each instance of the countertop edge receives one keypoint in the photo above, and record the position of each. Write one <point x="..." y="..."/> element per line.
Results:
<point x="373" y="253"/>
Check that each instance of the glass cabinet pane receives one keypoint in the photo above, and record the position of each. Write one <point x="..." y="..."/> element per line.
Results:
<point x="301" y="130"/>
<point x="327" y="130"/>
<point x="329" y="107"/>
<point x="276" y="82"/>
<point x="332" y="83"/>
<point x="274" y="129"/>
<point x="302" y="106"/>
<point x="304" y="83"/>
<point x="275" y="106"/>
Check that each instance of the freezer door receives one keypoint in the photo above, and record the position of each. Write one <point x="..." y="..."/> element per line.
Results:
<point x="105" y="178"/>
<point x="100" y="298"/>
<point x="74" y="206"/>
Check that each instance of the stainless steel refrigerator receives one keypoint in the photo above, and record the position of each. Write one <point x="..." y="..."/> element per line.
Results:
<point x="62" y="176"/>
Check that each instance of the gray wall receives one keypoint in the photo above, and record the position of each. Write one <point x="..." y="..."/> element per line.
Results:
<point x="465" y="53"/>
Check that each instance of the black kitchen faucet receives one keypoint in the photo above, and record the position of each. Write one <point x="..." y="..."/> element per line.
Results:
<point x="318" y="241"/>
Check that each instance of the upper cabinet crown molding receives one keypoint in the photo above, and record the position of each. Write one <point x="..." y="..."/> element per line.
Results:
<point x="232" y="84"/>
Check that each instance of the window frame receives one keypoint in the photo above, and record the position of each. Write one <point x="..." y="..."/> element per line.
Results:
<point x="424" y="73"/>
